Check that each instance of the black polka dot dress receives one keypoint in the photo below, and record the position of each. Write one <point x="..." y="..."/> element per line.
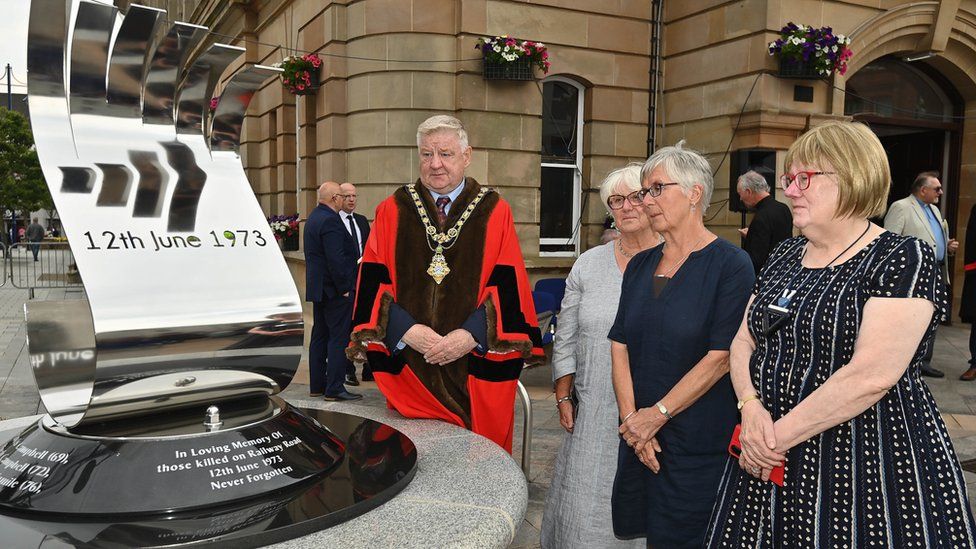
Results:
<point x="888" y="477"/>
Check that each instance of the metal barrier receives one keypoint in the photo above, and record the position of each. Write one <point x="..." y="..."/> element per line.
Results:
<point x="526" y="428"/>
<point x="33" y="265"/>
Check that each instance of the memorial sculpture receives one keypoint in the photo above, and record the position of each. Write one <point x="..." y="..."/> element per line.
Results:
<point x="162" y="423"/>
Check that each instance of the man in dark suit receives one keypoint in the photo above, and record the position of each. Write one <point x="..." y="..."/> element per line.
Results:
<point x="358" y="228"/>
<point x="330" y="280"/>
<point x="772" y="221"/>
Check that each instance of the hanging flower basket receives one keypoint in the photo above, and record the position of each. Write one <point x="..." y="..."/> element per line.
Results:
<point x="511" y="59"/>
<point x="790" y="68"/>
<point x="520" y="69"/>
<point x="806" y="52"/>
<point x="301" y="74"/>
<point x="285" y="230"/>
<point x="289" y="243"/>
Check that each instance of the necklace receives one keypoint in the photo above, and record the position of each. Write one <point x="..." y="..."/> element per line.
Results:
<point x="620" y="246"/>
<point x="680" y="263"/>
<point x="847" y="249"/>
<point x="789" y="291"/>
<point x="440" y="241"/>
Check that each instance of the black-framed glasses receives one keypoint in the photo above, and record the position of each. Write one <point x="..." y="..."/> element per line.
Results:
<point x="654" y="190"/>
<point x="802" y="179"/>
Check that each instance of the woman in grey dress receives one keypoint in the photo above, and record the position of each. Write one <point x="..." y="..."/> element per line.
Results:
<point x="577" y="511"/>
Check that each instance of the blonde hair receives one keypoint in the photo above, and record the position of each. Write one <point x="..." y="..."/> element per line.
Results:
<point x="852" y="151"/>
<point x="628" y="176"/>
<point x="442" y="122"/>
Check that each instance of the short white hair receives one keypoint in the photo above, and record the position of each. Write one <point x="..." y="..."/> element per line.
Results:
<point x="754" y="181"/>
<point x="629" y="177"/>
<point x="439" y="123"/>
<point x="686" y="166"/>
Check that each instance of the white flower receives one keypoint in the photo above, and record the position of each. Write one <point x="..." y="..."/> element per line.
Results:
<point x="771" y="44"/>
<point x="833" y="49"/>
<point x="796" y="41"/>
<point x="496" y="48"/>
<point x="540" y="44"/>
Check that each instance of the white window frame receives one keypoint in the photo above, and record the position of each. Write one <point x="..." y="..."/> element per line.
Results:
<point x="577" y="176"/>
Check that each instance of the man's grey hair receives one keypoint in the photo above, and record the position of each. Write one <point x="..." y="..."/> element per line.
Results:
<point x="628" y="178"/>
<point x="753" y="181"/>
<point x="439" y="123"/>
<point x="686" y="167"/>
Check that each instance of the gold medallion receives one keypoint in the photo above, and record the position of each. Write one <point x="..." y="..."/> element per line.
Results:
<point x="438" y="268"/>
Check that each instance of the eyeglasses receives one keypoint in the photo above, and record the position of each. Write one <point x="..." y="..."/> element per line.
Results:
<point x="636" y="198"/>
<point x="802" y="179"/>
<point x="937" y="189"/>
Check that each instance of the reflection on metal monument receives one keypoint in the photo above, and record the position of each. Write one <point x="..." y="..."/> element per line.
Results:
<point x="159" y="386"/>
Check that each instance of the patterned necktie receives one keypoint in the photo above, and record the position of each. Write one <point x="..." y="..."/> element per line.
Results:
<point x="442" y="203"/>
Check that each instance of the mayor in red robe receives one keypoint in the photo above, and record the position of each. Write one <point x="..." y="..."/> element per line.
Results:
<point x="443" y="310"/>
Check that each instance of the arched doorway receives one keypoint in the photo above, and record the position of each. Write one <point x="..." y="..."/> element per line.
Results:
<point x="916" y="114"/>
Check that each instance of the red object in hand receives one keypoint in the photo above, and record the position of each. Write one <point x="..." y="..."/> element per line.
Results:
<point x="735" y="449"/>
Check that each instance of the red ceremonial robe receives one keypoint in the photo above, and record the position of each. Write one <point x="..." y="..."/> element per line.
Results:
<point x="487" y="278"/>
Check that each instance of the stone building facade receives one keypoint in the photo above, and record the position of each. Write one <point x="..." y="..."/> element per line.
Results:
<point x="642" y="71"/>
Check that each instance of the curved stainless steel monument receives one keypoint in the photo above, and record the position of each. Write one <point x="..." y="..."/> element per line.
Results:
<point x="165" y="374"/>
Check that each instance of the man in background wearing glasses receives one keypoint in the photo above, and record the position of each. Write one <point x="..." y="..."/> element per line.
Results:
<point x="917" y="215"/>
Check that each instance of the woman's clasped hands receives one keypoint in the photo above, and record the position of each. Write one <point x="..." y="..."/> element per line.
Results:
<point x="639" y="431"/>
<point x="757" y="441"/>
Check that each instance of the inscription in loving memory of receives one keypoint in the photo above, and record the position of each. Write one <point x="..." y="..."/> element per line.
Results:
<point x="237" y="463"/>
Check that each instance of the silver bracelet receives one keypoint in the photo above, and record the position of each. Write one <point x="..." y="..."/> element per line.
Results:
<point x="564" y="399"/>
<point x="626" y="417"/>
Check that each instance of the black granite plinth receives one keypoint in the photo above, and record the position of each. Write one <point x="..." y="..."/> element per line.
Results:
<point x="374" y="462"/>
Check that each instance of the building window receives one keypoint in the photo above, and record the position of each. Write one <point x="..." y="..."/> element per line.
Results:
<point x="562" y="164"/>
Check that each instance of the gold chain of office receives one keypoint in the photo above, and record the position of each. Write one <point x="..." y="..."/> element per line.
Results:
<point x="440" y="241"/>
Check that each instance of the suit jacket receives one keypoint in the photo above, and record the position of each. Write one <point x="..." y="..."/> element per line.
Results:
<point x="906" y="217"/>
<point x="363" y="225"/>
<point x="330" y="256"/>
<point x="771" y="224"/>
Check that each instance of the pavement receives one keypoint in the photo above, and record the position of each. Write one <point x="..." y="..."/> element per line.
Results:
<point x="18" y="398"/>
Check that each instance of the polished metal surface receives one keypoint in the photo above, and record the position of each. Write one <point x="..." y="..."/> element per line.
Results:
<point x="164" y="71"/>
<point x="128" y="64"/>
<point x="228" y="119"/>
<point x="183" y="276"/>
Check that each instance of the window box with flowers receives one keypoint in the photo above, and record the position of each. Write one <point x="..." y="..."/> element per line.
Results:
<point x="301" y="74"/>
<point x="285" y="230"/>
<point x="508" y="58"/>
<point x="806" y="52"/>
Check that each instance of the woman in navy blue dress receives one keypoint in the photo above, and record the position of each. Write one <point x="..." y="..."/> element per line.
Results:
<point x="680" y="306"/>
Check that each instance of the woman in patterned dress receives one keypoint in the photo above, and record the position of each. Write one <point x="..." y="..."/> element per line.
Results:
<point x="577" y="512"/>
<point x="826" y="369"/>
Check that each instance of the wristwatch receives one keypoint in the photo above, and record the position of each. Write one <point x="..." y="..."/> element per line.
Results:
<point x="664" y="411"/>
<point x="739" y="405"/>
